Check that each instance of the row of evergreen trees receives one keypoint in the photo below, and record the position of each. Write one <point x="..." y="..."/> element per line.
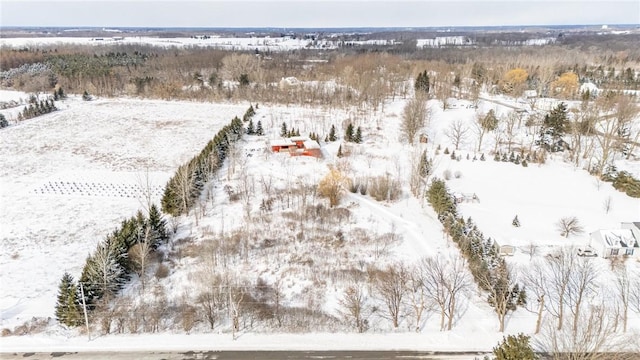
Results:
<point x="185" y="187"/>
<point x="110" y="266"/>
<point x="487" y="267"/>
<point x="37" y="107"/>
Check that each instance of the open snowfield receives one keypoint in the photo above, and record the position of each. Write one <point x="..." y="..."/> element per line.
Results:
<point x="70" y="177"/>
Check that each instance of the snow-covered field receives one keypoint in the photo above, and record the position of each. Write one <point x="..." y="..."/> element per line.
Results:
<point x="70" y="177"/>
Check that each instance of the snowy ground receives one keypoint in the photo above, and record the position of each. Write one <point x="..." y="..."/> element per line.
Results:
<point x="71" y="176"/>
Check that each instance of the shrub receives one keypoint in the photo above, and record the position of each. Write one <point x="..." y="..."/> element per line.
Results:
<point x="384" y="188"/>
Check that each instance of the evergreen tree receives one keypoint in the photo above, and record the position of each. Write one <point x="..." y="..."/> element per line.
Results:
<point x="496" y="157"/>
<point x="340" y="151"/>
<point x="86" y="96"/>
<point x="424" y="168"/>
<point x="259" y="129"/>
<point x="446" y="151"/>
<point x="524" y="163"/>
<point x="348" y="135"/>
<point x="515" y="222"/>
<point x="250" y="129"/>
<point x="61" y="94"/>
<point x="158" y="226"/>
<point x="332" y="133"/>
<point x="439" y="198"/>
<point x="482" y="157"/>
<point x="283" y="130"/>
<point x="422" y="82"/>
<point x="512" y="157"/>
<point x="514" y="348"/>
<point x="68" y="311"/>
<point x="357" y="138"/>
<point x="554" y="127"/>
<point x="3" y="121"/>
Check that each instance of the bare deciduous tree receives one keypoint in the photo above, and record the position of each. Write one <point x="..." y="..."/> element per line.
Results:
<point x="332" y="186"/>
<point x="391" y="286"/>
<point x="535" y="279"/>
<point x="569" y="226"/>
<point x="560" y="266"/>
<point x="354" y="306"/>
<point x="581" y="288"/>
<point x="445" y="281"/>
<point x="140" y="254"/>
<point x="415" y="116"/>
<point x="457" y="132"/>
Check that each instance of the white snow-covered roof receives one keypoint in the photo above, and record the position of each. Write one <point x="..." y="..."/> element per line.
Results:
<point x="615" y="238"/>
<point x="311" y="144"/>
<point x="281" y="142"/>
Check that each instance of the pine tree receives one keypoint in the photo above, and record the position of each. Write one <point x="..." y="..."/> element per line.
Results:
<point x="158" y="226"/>
<point x="516" y="221"/>
<point x="3" y="121"/>
<point x="340" y="151"/>
<point x="514" y="348"/>
<point x="283" y="130"/>
<point x="86" y="96"/>
<point x="512" y="157"/>
<point x="496" y="157"/>
<point x="422" y="82"/>
<point x="332" y="133"/>
<point x="348" y="135"/>
<point x="68" y="311"/>
<point x="555" y="125"/>
<point x="61" y="94"/>
<point x="250" y="129"/>
<point x="259" y="129"/>
<point x="358" y="136"/>
<point x="482" y="157"/>
<point x="424" y="168"/>
<point x="446" y="151"/>
<point x="524" y="163"/>
<point x="439" y="198"/>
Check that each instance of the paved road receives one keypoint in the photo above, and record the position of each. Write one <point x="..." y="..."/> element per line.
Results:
<point x="244" y="355"/>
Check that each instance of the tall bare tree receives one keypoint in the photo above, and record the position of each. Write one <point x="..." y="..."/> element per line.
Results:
<point x="415" y="116"/>
<point x="457" y="132"/>
<point x="354" y="306"/>
<point x="445" y="281"/>
<point x="561" y="265"/>
<point x="535" y="279"/>
<point x="391" y="284"/>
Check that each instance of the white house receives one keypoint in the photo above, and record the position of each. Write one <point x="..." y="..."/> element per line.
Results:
<point x="617" y="242"/>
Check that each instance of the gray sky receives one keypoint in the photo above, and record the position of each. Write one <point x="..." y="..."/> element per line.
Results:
<point x="316" y="13"/>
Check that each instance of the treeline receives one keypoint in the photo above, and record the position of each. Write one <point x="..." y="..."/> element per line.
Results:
<point x="186" y="185"/>
<point x="124" y="252"/>
<point x="489" y="270"/>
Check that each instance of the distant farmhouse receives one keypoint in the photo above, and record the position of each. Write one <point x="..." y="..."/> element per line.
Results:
<point x="296" y="146"/>
<point x="624" y="241"/>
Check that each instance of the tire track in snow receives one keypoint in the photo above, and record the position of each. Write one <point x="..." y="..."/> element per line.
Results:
<point x="416" y="236"/>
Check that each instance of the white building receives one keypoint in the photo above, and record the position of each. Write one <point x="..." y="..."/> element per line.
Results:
<point x="617" y="242"/>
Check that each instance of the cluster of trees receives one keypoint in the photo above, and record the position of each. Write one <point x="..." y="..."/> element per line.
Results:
<point x="623" y="181"/>
<point x="351" y="136"/>
<point x="37" y="107"/>
<point x="489" y="270"/>
<point x="248" y="117"/>
<point x="284" y="132"/>
<point x="185" y="187"/>
<point x="126" y="251"/>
